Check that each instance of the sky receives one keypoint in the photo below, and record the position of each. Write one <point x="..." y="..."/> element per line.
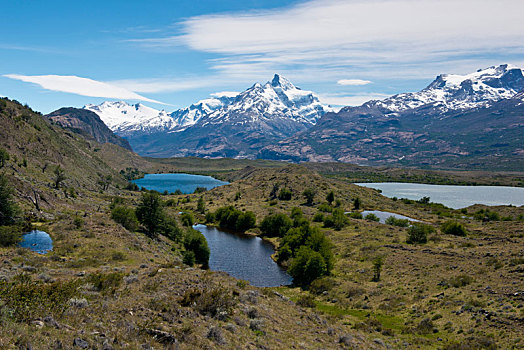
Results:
<point x="170" y="54"/>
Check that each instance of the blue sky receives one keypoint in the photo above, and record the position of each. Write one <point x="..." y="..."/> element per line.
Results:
<point x="169" y="54"/>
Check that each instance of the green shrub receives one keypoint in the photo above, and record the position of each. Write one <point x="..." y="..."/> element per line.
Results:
<point x="125" y="216"/>
<point x="210" y="217"/>
<point x="418" y="233"/>
<point x="25" y="300"/>
<point x="306" y="300"/>
<point x="453" y="228"/>
<point x="309" y="194"/>
<point x="397" y="222"/>
<point x="307" y="266"/>
<point x="150" y="213"/>
<point x="187" y="219"/>
<point x="357" y="203"/>
<point x="78" y="222"/>
<point x="188" y="258"/>
<point x="486" y="215"/>
<point x="234" y="219"/>
<point x="201" y="205"/>
<point x="318" y="217"/>
<point x="10" y="235"/>
<point x="355" y="215"/>
<point x="325" y="207"/>
<point x="372" y="217"/>
<point x="200" y="190"/>
<point x="330" y="197"/>
<point x="8" y="208"/>
<point x="285" y="194"/>
<point x="338" y="220"/>
<point x="321" y="285"/>
<point x="196" y="242"/>
<point x="170" y="229"/>
<point x="275" y="225"/>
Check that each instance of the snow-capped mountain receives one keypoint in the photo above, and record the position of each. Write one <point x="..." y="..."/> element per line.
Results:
<point x="127" y="120"/>
<point x="460" y="92"/>
<point x="278" y="98"/>
<point x="191" y="115"/>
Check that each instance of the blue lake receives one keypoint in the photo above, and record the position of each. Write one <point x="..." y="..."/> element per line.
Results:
<point x="452" y="196"/>
<point x="244" y="257"/>
<point x="384" y="215"/>
<point x="187" y="183"/>
<point x="37" y="241"/>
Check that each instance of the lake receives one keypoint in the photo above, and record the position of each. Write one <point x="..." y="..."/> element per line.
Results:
<point x="452" y="196"/>
<point x="187" y="183"/>
<point x="244" y="257"/>
<point x="38" y="241"/>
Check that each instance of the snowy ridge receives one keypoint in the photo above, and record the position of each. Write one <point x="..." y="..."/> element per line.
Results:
<point x="278" y="98"/>
<point x="460" y="92"/>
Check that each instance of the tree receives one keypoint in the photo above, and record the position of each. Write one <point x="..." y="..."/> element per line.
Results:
<point x="187" y="219"/>
<point x="8" y="208"/>
<point x="338" y="220"/>
<point x="309" y="194"/>
<point x="4" y="157"/>
<point x="150" y="213"/>
<point x="125" y="216"/>
<point x="307" y="266"/>
<point x="285" y="194"/>
<point x="196" y="243"/>
<point x="201" y="205"/>
<point x="231" y="218"/>
<point x="275" y="225"/>
<point x="330" y="197"/>
<point x="59" y="176"/>
<point x="357" y="203"/>
<point x="105" y="181"/>
<point x="418" y="233"/>
<point x="377" y="268"/>
<point x="453" y="228"/>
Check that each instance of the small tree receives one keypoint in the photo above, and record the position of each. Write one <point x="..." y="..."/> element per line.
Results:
<point x="418" y="233"/>
<point x="330" y="197"/>
<point x="357" y="203"/>
<point x="275" y="225"/>
<point x="453" y="228"/>
<point x="196" y="243"/>
<point x="125" y="216"/>
<point x="309" y="194"/>
<point x="285" y="194"/>
<point x="201" y="205"/>
<point x="59" y="176"/>
<point x="307" y="266"/>
<point x="150" y="213"/>
<point x="187" y="219"/>
<point x="8" y="208"/>
<point x="377" y="268"/>
<point x="4" y="157"/>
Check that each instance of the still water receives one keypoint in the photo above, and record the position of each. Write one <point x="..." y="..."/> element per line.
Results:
<point x="452" y="196"/>
<point x="187" y="183"/>
<point x="244" y="257"/>
<point x="37" y="241"/>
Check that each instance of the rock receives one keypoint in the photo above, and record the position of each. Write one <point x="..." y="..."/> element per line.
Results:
<point x="45" y="277"/>
<point x="38" y="324"/>
<point x="144" y="266"/>
<point x="81" y="343"/>
<point x="162" y="336"/>
<point x="256" y="325"/>
<point x="51" y="322"/>
<point x="379" y="342"/>
<point x="81" y="274"/>
<point x="252" y="313"/>
<point x="346" y="340"/>
<point x="215" y="334"/>
<point x="131" y="279"/>
<point x="230" y="328"/>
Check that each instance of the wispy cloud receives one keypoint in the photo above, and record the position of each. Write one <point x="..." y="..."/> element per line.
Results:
<point x="225" y="94"/>
<point x="353" y="82"/>
<point x="368" y="37"/>
<point x="81" y="86"/>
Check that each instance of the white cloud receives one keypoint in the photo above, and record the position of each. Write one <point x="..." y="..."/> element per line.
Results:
<point x="225" y="94"/>
<point x="164" y="85"/>
<point x="350" y="100"/>
<point x="353" y="82"/>
<point x="80" y="86"/>
<point x="339" y="37"/>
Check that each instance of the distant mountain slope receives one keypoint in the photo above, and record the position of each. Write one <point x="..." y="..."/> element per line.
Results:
<point x="468" y="121"/>
<point x="87" y="123"/>
<point x="217" y="127"/>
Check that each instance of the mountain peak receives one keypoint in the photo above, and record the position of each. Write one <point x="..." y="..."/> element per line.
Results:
<point x="280" y="81"/>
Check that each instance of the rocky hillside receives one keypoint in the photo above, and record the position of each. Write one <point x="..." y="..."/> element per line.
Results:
<point x="86" y="123"/>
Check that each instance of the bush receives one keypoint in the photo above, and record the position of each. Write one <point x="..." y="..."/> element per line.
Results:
<point x="10" y="235"/>
<point x="201" y="205"/>
<point x="196" y="242"/>
<point x="325" y="207"/>
<point x="318" y="217"/>
<point x="170" y="229"/>
<point x="486" y="215"/>
<point x="306" y="300"/>
<point x="338" y="220"/>
<point x="355" y="215"/>
<point x="125" y="216"/>
<point x="330" y="197"/>
<point x="453" y="228"/>
<point x="418" y="233"/>
<point x="357" y="203"/>
<point x="309" y="194"/>
<point x="150" y="213"/>
<point x="275" y="225"/>
<point x="210" y="301"/>
<point x="285" y="194"/>
<point x="106" y="282"/>
<point x="234" y="219"/>
<point x="307" y="266"/>
<point x="397" y="222"/>
<point x="210" y="217"/>
<point x="200" y="190"/>
<point x="460" y="281"/>
<point x="189" y="258"/>
<point x="372" y="217"/>
<point x="321" y="285"/>
<point x="187" y="219"/>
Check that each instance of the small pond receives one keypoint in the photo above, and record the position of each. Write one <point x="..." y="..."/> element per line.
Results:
<point x="455" y="197"/>
<point x="187" y="183"/>
<point x="38" y="241"/>
<point x="383" y="215"/>
<point x="243" y="257"/>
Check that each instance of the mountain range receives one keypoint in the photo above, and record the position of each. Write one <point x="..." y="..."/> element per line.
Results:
<point x="457" y="121"/>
